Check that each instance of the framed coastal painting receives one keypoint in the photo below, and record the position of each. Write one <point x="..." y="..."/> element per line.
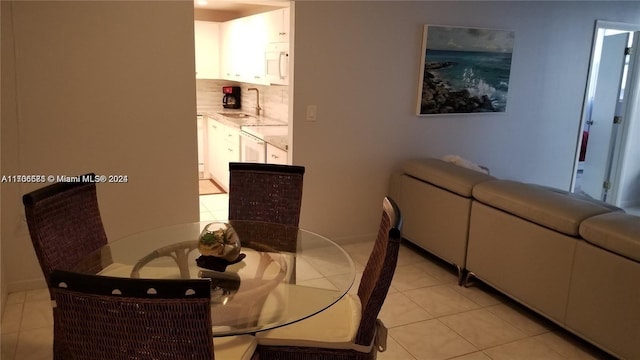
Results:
<point x="464" y="70"/>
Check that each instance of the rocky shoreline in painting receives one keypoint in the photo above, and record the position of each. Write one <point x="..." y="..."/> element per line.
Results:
<point x="439" y="98"/>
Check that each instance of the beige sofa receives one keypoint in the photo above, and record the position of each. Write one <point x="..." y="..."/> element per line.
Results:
<point x="435" y="198"/>
<point x="571" y="259"/>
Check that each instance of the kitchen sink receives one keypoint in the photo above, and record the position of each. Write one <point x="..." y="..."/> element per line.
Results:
<point x="236" y="115"/>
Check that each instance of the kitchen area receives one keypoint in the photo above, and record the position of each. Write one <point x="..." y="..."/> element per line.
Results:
<point x="242" y="72"/>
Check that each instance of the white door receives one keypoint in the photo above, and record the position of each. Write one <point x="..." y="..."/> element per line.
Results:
<point x="599" y="152"/>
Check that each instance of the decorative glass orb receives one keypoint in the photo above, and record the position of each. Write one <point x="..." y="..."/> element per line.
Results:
<point x="219" y="240"/>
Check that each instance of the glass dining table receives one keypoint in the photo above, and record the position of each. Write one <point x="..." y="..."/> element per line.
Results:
<point x="285" y="273"/>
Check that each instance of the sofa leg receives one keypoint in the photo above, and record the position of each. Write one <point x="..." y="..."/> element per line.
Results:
<point x="468" y="279"/>
<point x="461" y="273"/>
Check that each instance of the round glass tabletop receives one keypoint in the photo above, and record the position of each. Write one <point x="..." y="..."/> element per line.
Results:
<point x="283" y="274"/>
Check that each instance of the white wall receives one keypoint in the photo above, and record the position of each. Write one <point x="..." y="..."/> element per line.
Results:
<point x="358" y="62"/>
<point x="99" y="86"/>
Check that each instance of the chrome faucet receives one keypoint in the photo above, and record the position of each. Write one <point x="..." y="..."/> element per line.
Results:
<point x="258" y="108"/>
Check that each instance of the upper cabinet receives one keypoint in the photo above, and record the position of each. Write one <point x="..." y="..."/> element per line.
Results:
<point x="255" y="45"/>
<point x="242" y="53"/>
<point x="243" y="46"/>
<point x="278" y="25"/>
<point x="231" y="50"/>
<point x="206" y="37"/>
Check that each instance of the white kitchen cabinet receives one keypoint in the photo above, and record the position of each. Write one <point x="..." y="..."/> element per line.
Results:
<point x="206" y="39"/>
<point x="214" y="148"/>
<point x="243" y="49"/>
<point x="278" y="25"/>
<point x="224" y="147"/>
<point x="276" y="155"/>
<point x="202" y="147"/>
<point x="235" y="50"/>
<point x="231" y="153"/>
<point x="231" y="49"/>
<point x="255" y="44"/>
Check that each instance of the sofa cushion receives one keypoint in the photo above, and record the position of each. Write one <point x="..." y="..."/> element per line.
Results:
<point x="454" y="178"/>
<point x="547" y="208"/>
<point x="582" y="196"/>
<point x="616" y="232"/>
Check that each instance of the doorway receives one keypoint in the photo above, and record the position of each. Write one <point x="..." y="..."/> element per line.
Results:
<point x="602" y="168"/>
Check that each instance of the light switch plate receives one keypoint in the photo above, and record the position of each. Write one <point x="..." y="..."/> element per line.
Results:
<point x="312" y="113"/>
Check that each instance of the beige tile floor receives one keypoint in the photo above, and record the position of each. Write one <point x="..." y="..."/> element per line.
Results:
<point x="428" y="315"/>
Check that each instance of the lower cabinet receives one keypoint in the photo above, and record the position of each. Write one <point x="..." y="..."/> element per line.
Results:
<point x="224" y="147"/>
<point x="276" y="155"/>
<point x="213" y="140"/>
<point x="231" y="153"/>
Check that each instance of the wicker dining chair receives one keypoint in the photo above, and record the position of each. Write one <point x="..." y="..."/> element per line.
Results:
<point x="268" y="193"/>
<point x="336" y="333"/>
<point x="65" y="227"/>
<point x="124" y="318"/>
<point x="64" y="224"/>
<point x="265" y="192"/>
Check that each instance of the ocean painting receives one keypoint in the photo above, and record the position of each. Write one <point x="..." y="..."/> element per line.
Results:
<point x="464" y="70"/>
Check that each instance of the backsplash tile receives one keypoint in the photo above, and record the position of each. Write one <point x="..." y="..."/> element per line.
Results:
<point x="274" y="100"/>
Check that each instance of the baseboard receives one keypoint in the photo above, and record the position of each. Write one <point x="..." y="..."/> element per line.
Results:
<point x="26" y="285"/>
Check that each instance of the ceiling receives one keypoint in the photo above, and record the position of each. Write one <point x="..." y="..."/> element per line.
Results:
<point x="239" y="5"/>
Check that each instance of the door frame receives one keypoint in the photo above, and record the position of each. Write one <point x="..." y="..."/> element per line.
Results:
<point x="628" y="110"/>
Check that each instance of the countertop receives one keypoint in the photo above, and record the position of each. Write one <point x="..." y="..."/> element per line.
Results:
<point x="279" y="141"/>
<point x="249" y="120"/>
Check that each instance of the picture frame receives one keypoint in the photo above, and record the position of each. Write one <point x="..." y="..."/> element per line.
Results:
<point x="464" y="70"/>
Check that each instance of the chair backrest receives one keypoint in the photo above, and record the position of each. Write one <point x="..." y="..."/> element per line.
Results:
<point x="124" y="318"/>
<point x="378" y="273"/>
<point x="265" y="192"/>
<point x="64" y="223"/>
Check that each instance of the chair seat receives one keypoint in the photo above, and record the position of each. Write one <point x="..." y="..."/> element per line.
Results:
<point x="116" y="270"/>
<point x="333" y="328"/>
<point x="333" y="333"/>
<point x="241" y="347"/>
